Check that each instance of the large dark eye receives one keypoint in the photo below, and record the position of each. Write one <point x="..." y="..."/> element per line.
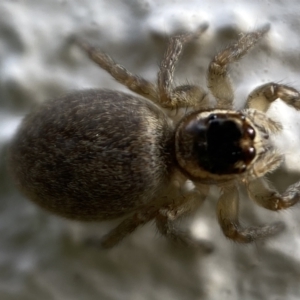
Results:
<point x="217" y="144"/>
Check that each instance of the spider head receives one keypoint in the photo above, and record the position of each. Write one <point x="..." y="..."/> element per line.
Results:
<point x="216" y="143"/>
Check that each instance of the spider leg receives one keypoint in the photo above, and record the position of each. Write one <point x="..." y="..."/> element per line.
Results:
<point x="227" y="212"/>
<point x="167" y="217"/>
<point x="266" y="196"/>
<point x="182" y="96"/>
<point x="165" y="221"/>
<point x="133" y="82"/>
<point x="218" y="79"/>
<point x="270" y="161"/>
<point x="262" y="97"/>
<point x="267" y="125"/>
<point x="126" y="227"/>
<point x="167" y="228"/>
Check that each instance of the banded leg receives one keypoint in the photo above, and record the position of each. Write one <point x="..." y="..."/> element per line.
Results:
<point x="218" y="79"/>
<point x="182" y="96"/>
<point x="133" y="82"/>
<point x="264" y="195"/>
<point x="227" y="212"/>
<point x="262" y="97"/>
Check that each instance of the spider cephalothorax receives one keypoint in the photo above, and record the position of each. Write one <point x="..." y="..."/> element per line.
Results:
<point x="220" y="145"/>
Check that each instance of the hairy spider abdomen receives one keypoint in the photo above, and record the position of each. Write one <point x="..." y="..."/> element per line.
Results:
<point x="93" y="155"/>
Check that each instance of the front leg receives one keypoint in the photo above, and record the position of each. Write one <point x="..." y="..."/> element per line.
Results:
<point x="227" y="212"/>
<point x="262" y="97"/>
<point x="264" y="195"/>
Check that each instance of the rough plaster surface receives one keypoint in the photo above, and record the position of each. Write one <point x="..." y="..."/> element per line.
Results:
<point x="41" y="256"/>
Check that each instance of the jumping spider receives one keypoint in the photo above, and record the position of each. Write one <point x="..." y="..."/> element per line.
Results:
<point x="97" y="155"/>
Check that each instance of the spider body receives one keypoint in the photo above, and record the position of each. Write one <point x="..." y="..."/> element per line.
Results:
<point x="97" y="155"/>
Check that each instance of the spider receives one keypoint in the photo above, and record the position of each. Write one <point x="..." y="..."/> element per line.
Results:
<point x="99" y="154"/>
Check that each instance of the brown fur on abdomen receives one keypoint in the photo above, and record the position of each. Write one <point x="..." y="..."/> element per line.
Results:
<point x="93" y="155"/>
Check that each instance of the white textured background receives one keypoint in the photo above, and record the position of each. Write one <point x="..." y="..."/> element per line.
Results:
<point x="41" y="256"/>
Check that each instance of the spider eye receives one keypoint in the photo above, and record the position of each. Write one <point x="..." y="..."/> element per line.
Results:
<point x="212" y="117"/>
<point x="251" y="132"/>
<point x="249" y="154"/>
